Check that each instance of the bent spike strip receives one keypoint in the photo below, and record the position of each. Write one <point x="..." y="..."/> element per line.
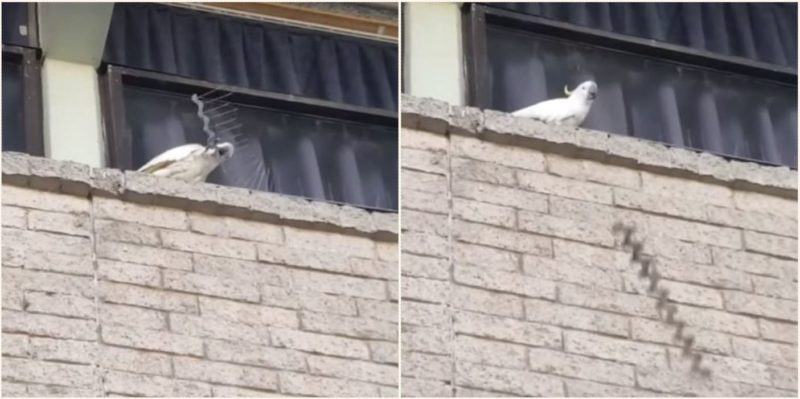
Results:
<point x="212" y="137"/>
<point x="648" y="270"/>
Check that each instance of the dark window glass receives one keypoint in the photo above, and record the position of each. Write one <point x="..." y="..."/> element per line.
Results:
<point x="13" y="100"/>
<point x="278" y="151"/>
<point x="16" y="24"/>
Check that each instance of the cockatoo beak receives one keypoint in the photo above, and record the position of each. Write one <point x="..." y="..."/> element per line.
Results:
<point x="566" y="91"/>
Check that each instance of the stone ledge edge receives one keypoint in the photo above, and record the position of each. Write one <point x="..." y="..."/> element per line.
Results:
<point x="74" y="178"/>
<point x="440" y="117"/>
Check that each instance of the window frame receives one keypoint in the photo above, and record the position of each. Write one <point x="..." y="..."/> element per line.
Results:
<point x="32" y="111"/>
<point x="477" y="17"/>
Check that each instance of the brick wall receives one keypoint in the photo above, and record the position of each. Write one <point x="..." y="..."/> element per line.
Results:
<point x="513" y="282"/>
<point x="126" y="284"/>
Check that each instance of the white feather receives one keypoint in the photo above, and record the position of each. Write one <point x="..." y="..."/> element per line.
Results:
<point x="189" y="162"/>
<point x="570" y="111"/>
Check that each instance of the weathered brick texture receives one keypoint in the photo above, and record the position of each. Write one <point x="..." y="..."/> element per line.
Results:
<point x="513" y="283"/>
<point x="108" y="292"/>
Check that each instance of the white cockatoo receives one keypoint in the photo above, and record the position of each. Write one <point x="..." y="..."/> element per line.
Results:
<point x="570" y="111"/>
<point x="189" y="162"/>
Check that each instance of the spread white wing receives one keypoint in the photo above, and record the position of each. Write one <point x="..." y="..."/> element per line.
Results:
<point x="550" y="111"/>
<point x="170" y="156"/>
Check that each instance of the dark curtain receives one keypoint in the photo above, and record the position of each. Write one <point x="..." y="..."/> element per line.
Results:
<point x="15" y="25"/>
<point x="253" y="54"/>
<point x="13" y="100"/>
<point x="727" y="114"/>
<point x="764" y="32"/>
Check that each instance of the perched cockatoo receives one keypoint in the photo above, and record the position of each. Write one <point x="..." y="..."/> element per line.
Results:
<point x="570" y="111"/>
<point x="189" y="162"/>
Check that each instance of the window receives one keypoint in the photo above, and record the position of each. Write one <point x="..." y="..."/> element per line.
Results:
<point x="22" y="90"/>
<point x="317" y="110"/>
<point x="710" y="77"/>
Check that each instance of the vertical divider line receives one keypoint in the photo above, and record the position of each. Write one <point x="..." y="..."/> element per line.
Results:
<point x="451" y="262"/>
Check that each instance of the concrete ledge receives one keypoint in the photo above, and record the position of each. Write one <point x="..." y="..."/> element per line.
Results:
<point x="440" y="117"/>
<point x="78" y="179"/>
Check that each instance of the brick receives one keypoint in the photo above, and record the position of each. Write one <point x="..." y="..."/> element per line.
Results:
<point x="726" y="368"/>
<point x="206" y="285"/>
<point x="568" y="252"/>
<point x="13" y="390"/>
<point x="775" y="288"/>
<point x="45" y="200"/>
<point x="36" y="371"/>
<point x="755" y="263"/>
<point x="584" y="169"/>
<point x="620" y="350"/>
<point x="481" y="301"/>
<point x="152" y="340"/>
<point x="678" y="292"/>
<point x="134" y="361"/>
<point x="425" y="244"/>
<point x="423" y="365"/>
<point x="306" y="385"/>
<point x="554" y="270"/>
<point x="424" y="339"/>
<point x="553" y="185"/>
<point x="504" y="380"/>
<point x="107" y="208"/>
<point x="658" y="332"/>
<point x="666" y="205"/>
<point x="670" y="248"/>
<point x="357" y="327"/>
<point x="591" y="233"/>
<point x="499" y="280"/>
<point x="378" y="310"/>
<point x="198" y="243"/>
<point x="58" y="243"/>
<point x="423" y="266"/>
<point x="778" y="331"/>
<point x="771" y="244"/>
<point x="590" y="297"/>
<point x="669" y="186"/>
<point x="653" y="226"/>
<point x="248" y="314"/>
<point x="488" y="352"/>
<point x="63" y="263"/>
<point x="134" y="233"/>
<point x="224" y="373"/>
<point x="424" y="161"/>
<point x="222" y="391"/>
<point x="584" y="211"/>
<point x="752" y="201"/>
<point x="424" y="314"/>
<point x="758" y="221"/>
<point x="765" y="352"/>
<point x="16" y="345"/>
<point x="322" y="241"/>
<point x="485" y="257"/>
<point x="144" y="255"/>
<point x="130" y="273"/>
<point x="320" y="343"/>
<point x="388" y="251"/>
<point x="48" y="326"/>
<point x="146" y="385"/>
<point x="61" y="305"/>
<point x="147" y="297"/>
<point x="484" y="213"/>
<point x="228" y="227"/>
<point x="61" y="391"/>
<point x="500" y="238"/>
<point x="218" y="328"/>
<point x="338" y="284"/>
<point x="564" y="364"/>
<point x="784" y="378"/>
<point x="111" y="315"/>
<point x="288" y="297"/>
<point x="499" y="195"/>
<point x="353" y="370"/>
<point x="488" y="172"/>
<point x="57" y="222"/>
<point x="50" y="282"/>
<point x="255" y="355"/>
<point x="424" y="201"/>
<point x="580" y="388"/>
<point x="12" y="291"/>
<point x="13" y="216"/>
<point x="63" y="350"/>
<point x="712" y="276"/>
<point x="478" y="393"/>
<point x="512" y="156"/>
<point x="427" y="182"/>
<point x="416" y="387"/>
<point x="383" y="352"/>
<point x="717" y="320"/>
<point x="240" y="270"/>
<point x="423" y="222"/>
<point x="739" y="302"/>
<point x="574" y="317"/>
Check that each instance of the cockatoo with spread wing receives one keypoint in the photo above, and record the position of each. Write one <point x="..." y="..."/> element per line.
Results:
<point x="570" y="111"/>
<point x="194" y="162"/>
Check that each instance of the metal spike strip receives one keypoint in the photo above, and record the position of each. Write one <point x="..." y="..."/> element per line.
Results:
<point x="211" y="117"/>
<point x="649" y="270"/>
